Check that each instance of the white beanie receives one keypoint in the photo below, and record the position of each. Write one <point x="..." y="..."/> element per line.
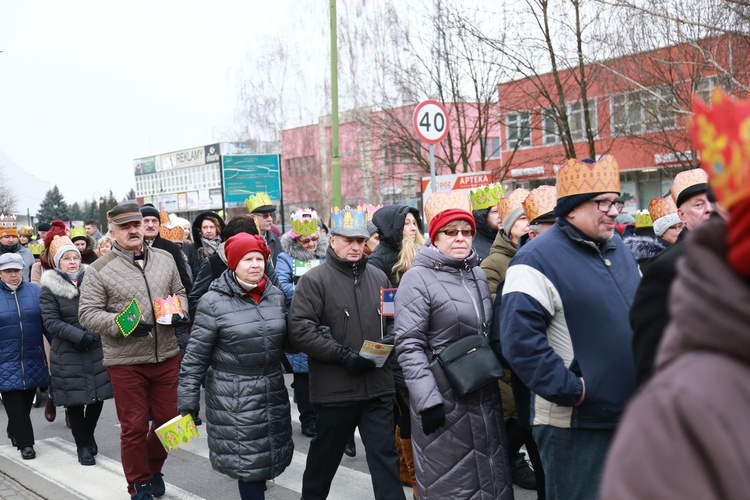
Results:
<point x="62" y="251"/>
<point x="663" y="223"/>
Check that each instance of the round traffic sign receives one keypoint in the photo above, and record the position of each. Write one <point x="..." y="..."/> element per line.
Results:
<point x="431" y="121"/>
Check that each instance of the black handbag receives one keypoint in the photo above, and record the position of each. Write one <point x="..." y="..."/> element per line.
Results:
<point x="469" y="363"/>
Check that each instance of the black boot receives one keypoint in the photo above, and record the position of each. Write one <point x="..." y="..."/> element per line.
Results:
<point x="85" y="457"/>
<point x="351" y="447"/>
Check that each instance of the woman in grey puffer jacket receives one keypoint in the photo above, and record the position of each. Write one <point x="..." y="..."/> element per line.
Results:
<point x="459" y="443"/>
<point x="237" y="341"/>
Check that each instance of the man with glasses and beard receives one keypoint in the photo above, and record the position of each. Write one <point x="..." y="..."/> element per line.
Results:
<point x="565" y="329"/>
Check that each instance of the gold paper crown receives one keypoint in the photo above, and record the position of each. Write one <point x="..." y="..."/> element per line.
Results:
<point x="540" y="201"/>
<point x="643" y="219"/>
<point x="26" y="231"/>
<point x="687" y="179"/>
<point x="437" y="202"/>
<point x="305" y="222"/>
<point x="57" y="243"/>
<point x="77" y="232"/>
<point x="256" y="201"/>
<point x="167" y="306"/>
<point x="511" y="202"/>
<point x="35" y="248"/>
<point x="579" y="177"/>
<point x="164" y="217"/>
<point x="661" y="207"/>
<point x="485" y="196"/>
<point x="371" y="209"/>
<point x="721" y="134"/>
<point x="175" y="233"/>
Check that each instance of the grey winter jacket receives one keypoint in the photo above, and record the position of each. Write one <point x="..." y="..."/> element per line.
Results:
<point x="111" y="283"/>
<point x="437" y="303"/>
<point x="237" y="343"/>
<point x="347" y="299"/>
<point x="78" y="376"/>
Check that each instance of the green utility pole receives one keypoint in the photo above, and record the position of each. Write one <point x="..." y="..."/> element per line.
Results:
<point x="335" y="155"/>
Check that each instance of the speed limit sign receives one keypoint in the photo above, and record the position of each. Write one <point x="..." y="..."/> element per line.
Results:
<point x="431" y="121"/>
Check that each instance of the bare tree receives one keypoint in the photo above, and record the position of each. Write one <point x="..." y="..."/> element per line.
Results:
<point x="8" y="197"/>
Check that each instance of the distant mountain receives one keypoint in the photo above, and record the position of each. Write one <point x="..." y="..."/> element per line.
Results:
<point x="29" y="190"/>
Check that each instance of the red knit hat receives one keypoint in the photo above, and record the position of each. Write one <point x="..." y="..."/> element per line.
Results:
<point x="240" y="244"/>
<point x="445" y="217"/>
<point x="57" y="229"/>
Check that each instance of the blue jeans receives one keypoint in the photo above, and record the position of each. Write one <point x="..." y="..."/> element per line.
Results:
<point x="573" y="460"/>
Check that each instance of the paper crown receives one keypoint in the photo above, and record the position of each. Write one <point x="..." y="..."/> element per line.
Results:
<point x="721" y="134"/>
<point x="77" y="232"/>
<point x="689" y="181"/>
<point x="305" y="222"/>
<point x="485" y="196"/>
<point x="437" y="202"/>
<point x="579" y="177"/>
<point x="56" y="244"/>
<point x="35" y="248"/>
<point x="371" y="209"/>
<point x="661" y="207"/>
<point x="175" y="233"/>
<point x="643" y="219"/>
<point x="256" y="201"/>
<point x="8" y="225"/>
<point x="540" y="201"/>
<point x="163" y="217"/>
<point x="349" y="218"/>
<point x="26" y="231"/>
<point x="511" y="202"/>
<point x="165" y="308"/>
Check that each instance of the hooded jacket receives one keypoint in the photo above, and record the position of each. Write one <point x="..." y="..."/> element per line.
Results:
<point x="440" y="300"/>
<point x="111" y="283"/>
<point x="346" y="298"/>
<point x="236" y="344"/>
<point x="390" y="221"/>
<point x="23" y="364"/>
<point x="497" y="262"/>
<point x="78" y="376"/>
<point x="685" y="434"/>
<point x="484" y="237"/>
<point x="196" y="256"/>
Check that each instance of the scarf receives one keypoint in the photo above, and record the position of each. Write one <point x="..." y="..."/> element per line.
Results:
<point x="210" y="245"/>
<point x="253" y="290"/>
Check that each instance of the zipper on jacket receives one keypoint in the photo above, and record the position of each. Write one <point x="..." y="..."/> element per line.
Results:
<point x="20" y="324"/>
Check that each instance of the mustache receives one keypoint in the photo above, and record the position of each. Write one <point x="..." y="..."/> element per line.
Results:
<point x="134" y="235"/>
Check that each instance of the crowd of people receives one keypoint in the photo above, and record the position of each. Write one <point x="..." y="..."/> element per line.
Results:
<point x="619" y="349"/>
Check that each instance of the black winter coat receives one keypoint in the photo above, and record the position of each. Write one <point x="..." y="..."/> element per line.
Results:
<point x="390" y="223"/>
<point x="484" y="237"/>
<point x="78" y="376"/>
<point x="176" y="253"/>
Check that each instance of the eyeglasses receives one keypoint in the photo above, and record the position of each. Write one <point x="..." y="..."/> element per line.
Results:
<point x="268" y="215"/>
<point x="606" y="205"/>
<point x="452" y="233"/>
<point x="308" y="240"/>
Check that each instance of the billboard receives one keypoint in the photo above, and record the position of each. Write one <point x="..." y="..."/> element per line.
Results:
<point x="249" y="174"/>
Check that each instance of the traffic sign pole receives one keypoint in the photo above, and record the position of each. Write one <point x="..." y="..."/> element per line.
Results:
<point x="432" y="167"/>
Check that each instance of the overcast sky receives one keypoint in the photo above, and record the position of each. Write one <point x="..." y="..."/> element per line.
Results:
<point x="87" y="86"/>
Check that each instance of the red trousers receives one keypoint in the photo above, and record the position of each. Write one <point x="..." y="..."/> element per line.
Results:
<point x="142" y="393"/>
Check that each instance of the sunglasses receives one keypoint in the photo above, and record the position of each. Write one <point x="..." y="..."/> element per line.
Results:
<point x="308" y="240"/>
<point x="452" y="233"/>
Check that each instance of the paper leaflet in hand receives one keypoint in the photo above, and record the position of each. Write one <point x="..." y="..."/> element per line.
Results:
<point x="128" y="319"/>
<point x="388" y="301"/>
<point x="165" y="308"/>
<point x="376" y="352"/>
<point x="180" y="430"/>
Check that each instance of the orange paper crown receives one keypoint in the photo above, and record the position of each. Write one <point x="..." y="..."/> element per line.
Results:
<point x="164" y="217"/>
<point x="437" y="202"/>
<point x="578" y="177"/>
<point x="661" y="207"/>
<point x="167" y="307"/>
<point x="685" y="180"/>
<point x="540" y="201"/>
<point x="175" y="233"/>
<point x="511" y="202"/>
<point x="721" y="134"/>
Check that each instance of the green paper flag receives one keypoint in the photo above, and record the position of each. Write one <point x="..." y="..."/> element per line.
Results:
<point x="129" y="318"/>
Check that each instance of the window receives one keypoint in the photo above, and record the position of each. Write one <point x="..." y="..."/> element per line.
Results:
<point x="643" y="111"/>
<point x="491" y="147"/>
<point x="576" y="122"/>
<point x="519" y="130"/>
<point x="399" y="153"/>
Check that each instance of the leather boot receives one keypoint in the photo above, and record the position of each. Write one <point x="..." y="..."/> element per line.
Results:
<point x="403" y="470"/>
<point x="408" y="455"/>
<point x="50" y="412"/>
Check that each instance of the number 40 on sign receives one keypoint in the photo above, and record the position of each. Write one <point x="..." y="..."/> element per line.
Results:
<point x="431" y="121"/>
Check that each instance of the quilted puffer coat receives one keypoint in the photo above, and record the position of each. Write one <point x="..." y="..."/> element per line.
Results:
<point x="111" y="283"/>
<point x="23" y="364"/>
<point x="437" y="303"/>
<point x="78" y="376"/>
<point x="237" y="343"/>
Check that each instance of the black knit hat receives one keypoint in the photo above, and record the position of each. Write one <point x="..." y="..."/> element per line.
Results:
<point x="149" y="210"/>
<point x="567" y="204"/>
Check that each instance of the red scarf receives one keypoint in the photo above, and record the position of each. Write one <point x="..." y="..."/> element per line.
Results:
<point x="256" y="292"/>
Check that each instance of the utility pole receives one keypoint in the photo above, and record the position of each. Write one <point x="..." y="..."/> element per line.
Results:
<point x="335" y="155"/>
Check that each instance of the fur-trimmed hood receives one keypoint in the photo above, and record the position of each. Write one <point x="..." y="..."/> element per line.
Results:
<point x="295" y="251"/>
<point x="644" y="247"/>
<point x="59" y="283"/>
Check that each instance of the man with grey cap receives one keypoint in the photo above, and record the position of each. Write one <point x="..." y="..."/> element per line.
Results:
<point x="335" y="309"/>
<point x="140" y="353"/>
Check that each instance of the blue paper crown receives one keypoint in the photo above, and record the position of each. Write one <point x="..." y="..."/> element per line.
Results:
<point x="349" y="218"/>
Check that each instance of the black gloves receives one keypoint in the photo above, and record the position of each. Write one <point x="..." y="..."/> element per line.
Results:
<point x="142" y="329"/>
<point x="387" y="340"/>
<point x="86" y="341"/>
<point x="432" y="419"/>
<point x="324" y="331"/>
<point x="180" y="320"/>
<point x="352" y="361"/>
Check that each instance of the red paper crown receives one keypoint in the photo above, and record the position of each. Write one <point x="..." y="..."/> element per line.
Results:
<point x="167" y="306"/>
